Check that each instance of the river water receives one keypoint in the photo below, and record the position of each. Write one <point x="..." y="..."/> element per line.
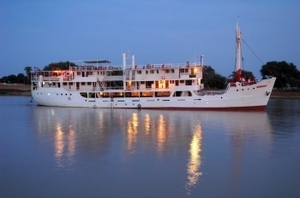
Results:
<point x="82" y="152"/>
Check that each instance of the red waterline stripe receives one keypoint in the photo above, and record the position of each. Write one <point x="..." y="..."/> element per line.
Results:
<point x="261" y="86"/>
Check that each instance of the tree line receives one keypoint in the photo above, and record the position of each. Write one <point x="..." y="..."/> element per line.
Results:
<point x="22" y="78"/>
<point x="287" y="75"/>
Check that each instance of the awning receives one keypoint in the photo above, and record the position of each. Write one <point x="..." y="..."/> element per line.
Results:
<point x="96" y="61"/>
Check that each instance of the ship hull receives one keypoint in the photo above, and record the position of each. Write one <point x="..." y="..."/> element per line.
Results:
<point x="248" y="98"/>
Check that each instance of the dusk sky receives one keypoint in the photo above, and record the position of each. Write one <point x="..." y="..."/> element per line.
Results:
<point x="40" y="32"/>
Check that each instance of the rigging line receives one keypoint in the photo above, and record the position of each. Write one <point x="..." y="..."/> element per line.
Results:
<point x="252" y="51"/>
<point x="258" y="57"/>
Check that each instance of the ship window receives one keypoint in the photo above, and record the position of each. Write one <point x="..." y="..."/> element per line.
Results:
<point x="83" y="94"/>
<point x="78" y="73"/>
<point x="172" y="70"/>
<point x="188" y="82"/>
<point x="181" y="81"/>
<point x="151" y="71"/>
<point x="149" y="84"/>
<point x="146" y="94"/>
<point x="162" y="94"/>
<point x="186" y="70"/>
<point x="139" y="71"/>
<point x="64" y="83"/>
<point x="171" y="81"/>
<point x="146" y="71"/>
<point x="82" y="83"/>
<point x="177" y="94"/>
<point x="142" y="82"/>
<point x="167" y="71"/>
<point x="89" y="83"/>
<point x="70" y="83"/>
<point x="157" y="71"/>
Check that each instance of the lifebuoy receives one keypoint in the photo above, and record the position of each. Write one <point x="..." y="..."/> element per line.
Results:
<point x="163" y="77"/>
<point x="66" y="73"/>
<point x="139" y="106"/>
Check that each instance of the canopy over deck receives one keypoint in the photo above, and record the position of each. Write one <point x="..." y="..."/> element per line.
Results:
<point x="96" y="61"/>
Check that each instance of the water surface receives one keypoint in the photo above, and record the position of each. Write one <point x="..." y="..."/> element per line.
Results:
<point x="82" y="152"/>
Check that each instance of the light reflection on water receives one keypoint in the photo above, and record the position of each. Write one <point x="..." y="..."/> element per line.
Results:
<point x="194" y="162"/>
<point x="132" y="130"/>
<point x="152" y="153"/>
<point x="163" y="129"/>
<point x="157" y="128"/>
<point x="64" y="145"/>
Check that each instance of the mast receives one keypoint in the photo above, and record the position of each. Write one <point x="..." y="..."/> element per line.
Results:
<point x="202" y="60"/>
<point x="238" y="54"/>
<point x="124" y="71"/>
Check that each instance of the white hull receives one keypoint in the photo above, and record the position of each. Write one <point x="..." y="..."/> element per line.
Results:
<point x="251" y="97"/>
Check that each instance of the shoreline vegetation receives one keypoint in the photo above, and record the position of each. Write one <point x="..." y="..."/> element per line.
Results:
<point x="14" y="90"/>
<point x="24" y="90"/>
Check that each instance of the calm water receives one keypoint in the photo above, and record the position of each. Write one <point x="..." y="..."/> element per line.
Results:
<point x="75" y="152"/>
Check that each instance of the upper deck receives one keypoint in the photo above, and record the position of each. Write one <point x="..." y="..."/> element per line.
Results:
<point x="97" y="70"/>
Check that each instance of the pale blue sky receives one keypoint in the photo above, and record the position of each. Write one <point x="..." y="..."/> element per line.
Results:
<point x="39" y="32"/>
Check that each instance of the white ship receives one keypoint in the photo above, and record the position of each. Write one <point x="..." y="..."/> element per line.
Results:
<point x="98" y="84"/>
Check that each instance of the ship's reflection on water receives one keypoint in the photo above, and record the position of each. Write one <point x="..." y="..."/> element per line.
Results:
<point x="93" y="132"/>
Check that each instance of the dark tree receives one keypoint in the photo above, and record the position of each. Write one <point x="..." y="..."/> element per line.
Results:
<point x="58" y="66"/>
<point x="28" y="70"/>
<point x="287" y="74"/>
<point x="212" y="80"/>
<point x="11" y="78"/>
<point x="21" y="79"/>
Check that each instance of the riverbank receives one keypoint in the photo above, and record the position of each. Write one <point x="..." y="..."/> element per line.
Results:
<point x="291" y="94"/>
<point x="15" y="89"/>
<point x="24" y="90"/>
